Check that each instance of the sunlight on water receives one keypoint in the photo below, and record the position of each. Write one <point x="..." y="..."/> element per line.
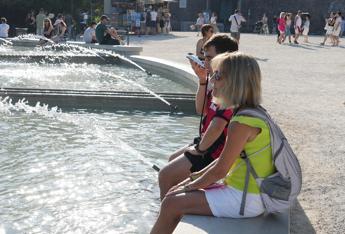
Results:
<point x="83" y="172"/>
<point x="82" y="77"/>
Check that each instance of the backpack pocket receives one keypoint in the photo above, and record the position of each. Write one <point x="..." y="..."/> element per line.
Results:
<point x="276" y="187"/>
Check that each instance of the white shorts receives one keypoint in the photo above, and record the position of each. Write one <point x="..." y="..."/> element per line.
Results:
<point x="226" y="202"/>
<point x="336" y="33"/>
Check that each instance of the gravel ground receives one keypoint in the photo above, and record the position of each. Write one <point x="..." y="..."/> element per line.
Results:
<point x="304" y="90"/>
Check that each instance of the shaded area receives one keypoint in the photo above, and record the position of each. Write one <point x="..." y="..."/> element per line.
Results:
<point x="303" y="226"/>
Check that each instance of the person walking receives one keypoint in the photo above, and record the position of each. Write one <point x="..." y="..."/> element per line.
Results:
<point x="213" y="22"/>
<point x="298" y="26"/>
<point x="306" y="27"/>
<point x="264" y="22"/>
<point x="40" y="22"/>
<point x="330" y="21"/>
<point x="337" y="28"/>
<point x="200" y="21"/>
<point x="236" y="20"/>
<point x="281" y="27"/>
<point x="288" y="22"/>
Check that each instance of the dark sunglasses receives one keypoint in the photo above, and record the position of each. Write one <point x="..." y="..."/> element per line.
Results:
<point x="216" y="76"/>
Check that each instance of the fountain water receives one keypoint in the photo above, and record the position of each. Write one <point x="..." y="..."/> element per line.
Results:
<point x="82" y="171"/>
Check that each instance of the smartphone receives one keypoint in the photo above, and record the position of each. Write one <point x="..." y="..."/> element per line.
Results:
<point x="195" y="59"/>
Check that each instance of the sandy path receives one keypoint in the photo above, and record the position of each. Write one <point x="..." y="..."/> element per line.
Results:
<point x="304" y="89"/>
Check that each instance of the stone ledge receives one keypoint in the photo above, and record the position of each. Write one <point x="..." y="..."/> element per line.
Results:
<point x="270" y="224"/>
<point x="126" y="50"/>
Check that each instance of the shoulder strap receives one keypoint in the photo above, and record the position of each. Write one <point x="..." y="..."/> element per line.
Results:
<point x="250" y="170"/>
<point x="236" y="20"/>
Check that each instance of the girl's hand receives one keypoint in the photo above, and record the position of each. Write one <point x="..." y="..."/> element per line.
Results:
<point x="192" y="150"/>
<point x="178" y="189"/>
<point x="199" y="71"/>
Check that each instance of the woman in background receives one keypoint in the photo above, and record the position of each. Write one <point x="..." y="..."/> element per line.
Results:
<point x="206" y="32"/>
<point x="48" y="28"/>
<point x="306" y="27"/>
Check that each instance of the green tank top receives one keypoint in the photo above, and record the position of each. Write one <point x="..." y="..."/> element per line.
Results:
<point x="259" y="153"/>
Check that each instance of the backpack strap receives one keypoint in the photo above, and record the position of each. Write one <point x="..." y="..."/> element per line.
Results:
<point x="236" y="20"/>
<point x="250" y="170"/>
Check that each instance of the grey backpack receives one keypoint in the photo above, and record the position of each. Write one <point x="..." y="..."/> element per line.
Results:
<point x="279" y="190"/>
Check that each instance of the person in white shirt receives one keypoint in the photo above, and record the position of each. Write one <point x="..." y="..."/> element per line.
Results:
<point x="337" y="28"/>
<point x="4" y="27"/>
<point x="90" y="33"/>
<point x="213" y="22"/>
<point x="200" y="21"/>
<point x="154" y="21"/>
<point x="298" y="26"/>
<point x="236" y="21"/>
<point x="306" y="27"/>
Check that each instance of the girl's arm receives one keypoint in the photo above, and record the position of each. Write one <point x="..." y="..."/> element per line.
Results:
<point x="238" y="136"/>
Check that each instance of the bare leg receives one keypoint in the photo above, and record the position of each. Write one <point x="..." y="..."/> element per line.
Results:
<point x="174" y="207"/>
<point x="173" y="173"/>
<point x="177" y="153"/>
<point x="324" y="39"/>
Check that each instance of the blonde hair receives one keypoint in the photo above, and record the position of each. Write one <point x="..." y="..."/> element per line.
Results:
<point x="242" y="80"/>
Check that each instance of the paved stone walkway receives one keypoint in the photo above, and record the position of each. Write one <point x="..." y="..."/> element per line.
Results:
<point x="304" y="90"/>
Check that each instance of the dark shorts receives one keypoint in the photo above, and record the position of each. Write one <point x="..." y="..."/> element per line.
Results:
<point x="198" y="162"/>
<point x="153" y="24"/>
<point x="108" y="40"/>
<point x="235" y="35"/>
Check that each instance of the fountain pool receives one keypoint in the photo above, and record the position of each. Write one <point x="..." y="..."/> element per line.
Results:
<point x="81" y="171"/>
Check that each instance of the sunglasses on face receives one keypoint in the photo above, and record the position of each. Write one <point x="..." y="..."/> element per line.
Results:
<point x="216" y="76"/>
<point x="207" y="56"/>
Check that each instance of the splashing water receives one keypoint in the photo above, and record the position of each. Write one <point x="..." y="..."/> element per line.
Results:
<point x="7" y="107"/>
<point x="138" y="85"/>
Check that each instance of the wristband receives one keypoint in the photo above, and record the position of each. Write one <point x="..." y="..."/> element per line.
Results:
<point x="203" y="83"/>
<point x="198" y="150"/>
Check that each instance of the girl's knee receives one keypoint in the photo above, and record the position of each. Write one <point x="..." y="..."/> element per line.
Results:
<point x="171" y="205"/>
<point x="163" y="174"/>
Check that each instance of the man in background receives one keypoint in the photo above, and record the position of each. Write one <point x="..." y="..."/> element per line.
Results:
<point x="39" y="22"/>
<point x="104" y="35"/>
<point x="236" y="20"/>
